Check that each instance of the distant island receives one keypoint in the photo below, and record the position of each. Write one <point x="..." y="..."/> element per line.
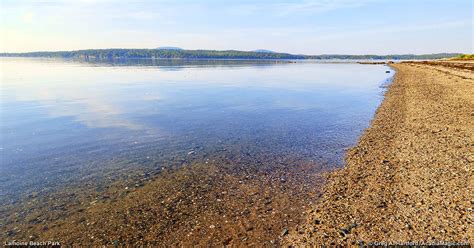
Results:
<point x="178" y="53"/>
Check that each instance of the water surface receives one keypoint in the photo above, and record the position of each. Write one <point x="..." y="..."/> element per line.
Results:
<point x="67" y="121"/>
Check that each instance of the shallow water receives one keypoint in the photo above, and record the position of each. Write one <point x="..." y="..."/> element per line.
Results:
<point x="67" y="121"/>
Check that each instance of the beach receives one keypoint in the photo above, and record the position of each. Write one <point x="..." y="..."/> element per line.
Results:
<point x="410" y="177"/>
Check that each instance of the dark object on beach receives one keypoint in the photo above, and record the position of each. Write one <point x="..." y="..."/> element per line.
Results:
<point x="348" y="229"/>
<point x="387" y="71"/>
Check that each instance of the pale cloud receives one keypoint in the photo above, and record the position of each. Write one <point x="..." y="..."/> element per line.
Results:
<point x="317" y="6"/>
<point x="143" y="15"/>
<point x="245" y="25"/>
<point x="396" y="29"/>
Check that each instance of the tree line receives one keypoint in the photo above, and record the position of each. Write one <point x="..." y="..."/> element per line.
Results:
<point x="110" y="54"/>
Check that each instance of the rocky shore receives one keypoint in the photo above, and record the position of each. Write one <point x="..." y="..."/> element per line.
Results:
<point x="410" y="177"/>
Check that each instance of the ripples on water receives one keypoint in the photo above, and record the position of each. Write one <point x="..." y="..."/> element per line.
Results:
<point x="67" y="121"/>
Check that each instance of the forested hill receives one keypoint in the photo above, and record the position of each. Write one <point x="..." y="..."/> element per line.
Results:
<point x="158" y="53"/>
<point x="208" y="54"/>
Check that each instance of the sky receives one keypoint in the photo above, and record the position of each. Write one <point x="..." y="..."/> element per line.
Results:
<point x="298" y="26"/>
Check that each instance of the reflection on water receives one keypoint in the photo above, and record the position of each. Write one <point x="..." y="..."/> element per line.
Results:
<point x="177" y="64"/>
<point x="66" y="120"/>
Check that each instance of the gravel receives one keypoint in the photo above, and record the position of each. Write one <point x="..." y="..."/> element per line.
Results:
<point x="409" y="179"/>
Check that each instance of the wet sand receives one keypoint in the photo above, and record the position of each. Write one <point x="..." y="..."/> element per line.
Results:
<point x="410" y="177"/>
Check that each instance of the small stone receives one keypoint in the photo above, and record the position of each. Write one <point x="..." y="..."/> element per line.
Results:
<point x="348" y="229"/>
<point x="284" y="232"/>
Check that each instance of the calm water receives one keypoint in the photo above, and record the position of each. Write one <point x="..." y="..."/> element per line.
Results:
<point x="64" y="121"/>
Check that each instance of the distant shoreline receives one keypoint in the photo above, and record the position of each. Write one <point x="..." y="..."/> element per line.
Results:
<point x="110" y="54"/>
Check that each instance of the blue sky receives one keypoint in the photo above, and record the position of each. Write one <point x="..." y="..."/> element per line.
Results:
<point x="308" y="27"/>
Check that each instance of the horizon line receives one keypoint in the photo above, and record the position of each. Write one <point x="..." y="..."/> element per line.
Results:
<point x="255" y="50"/>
